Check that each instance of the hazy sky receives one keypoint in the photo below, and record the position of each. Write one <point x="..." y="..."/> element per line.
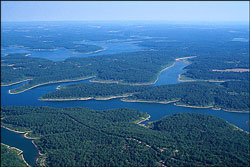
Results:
<point x="128" y="10"/>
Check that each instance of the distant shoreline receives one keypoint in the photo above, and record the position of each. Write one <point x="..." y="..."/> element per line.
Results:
<point x="52" y="82"/>
<point x="147" y="101"/>
<point x="89" y="52"/>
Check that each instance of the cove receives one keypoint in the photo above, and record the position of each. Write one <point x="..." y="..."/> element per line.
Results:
<point x="17" y="140"/>
<point x="157" y="111"/>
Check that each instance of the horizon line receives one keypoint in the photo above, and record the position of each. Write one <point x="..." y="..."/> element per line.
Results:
<point x="176" y="21"/>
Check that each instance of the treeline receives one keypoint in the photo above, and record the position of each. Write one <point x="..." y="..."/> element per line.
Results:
<point x="232" y="95"/>
<point x="136" y="67"/>
<point x="10" y="157"/>
<point x="84" y="137"/>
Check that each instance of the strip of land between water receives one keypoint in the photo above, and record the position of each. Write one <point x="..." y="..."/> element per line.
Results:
<point x="51" y="82"/>
<point x="16" y="82"/>
<point x="88" y="98"/>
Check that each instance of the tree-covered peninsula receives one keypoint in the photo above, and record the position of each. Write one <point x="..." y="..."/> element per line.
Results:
<point x="130" y="68"/>
<point x="231" y="95"/>
<point x="85" y="137"/>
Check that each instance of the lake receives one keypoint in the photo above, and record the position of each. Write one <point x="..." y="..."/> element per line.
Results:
<point x="157" y="111"/>
<point x="118" y="46"/>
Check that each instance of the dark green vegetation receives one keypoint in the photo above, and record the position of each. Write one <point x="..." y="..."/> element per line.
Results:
<point x="84" y="137"/>
<point x="201" y="68"/>
<point x="10" y="157"/>
<point x="231" y="95"/>
<point x="137" y="67"/>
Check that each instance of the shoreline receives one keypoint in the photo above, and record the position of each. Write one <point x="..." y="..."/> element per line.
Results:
<point x="88" y="98"/>
<point x="90" y="52"/>
<point x="40" y="156"/>
<point x="191" y="80"/>
<point x="146" y="101"/>
<point x="104" y="81"/>
<point x="182" y="105"/>
<point x="19" y="152"/>
<point x="24" y="135"/>
<point x="213" y="108"/>
<point x="16" y="82"/>
<point x="52" y="82"/>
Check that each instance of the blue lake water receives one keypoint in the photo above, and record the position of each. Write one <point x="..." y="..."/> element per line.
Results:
<point x="157" y="111"/>
<point x="60" y="54"/>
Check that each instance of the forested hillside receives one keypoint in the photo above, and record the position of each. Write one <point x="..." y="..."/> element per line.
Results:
<point x="84" y="137"/>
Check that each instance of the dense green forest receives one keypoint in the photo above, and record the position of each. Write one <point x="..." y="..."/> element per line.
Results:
<point x="137" y="67"/>
<point x="85" y="137"/>
<point x="10" y="157"/>
<point x="202" y="68"/>
<point x="231" y="95"/>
